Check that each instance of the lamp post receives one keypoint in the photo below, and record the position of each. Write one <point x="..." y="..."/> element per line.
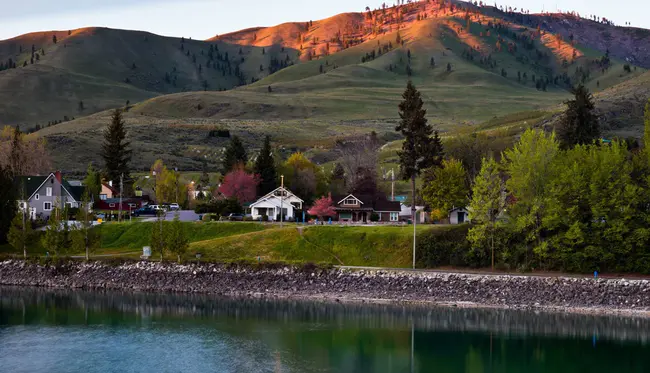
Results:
<point x="281" y="201"/>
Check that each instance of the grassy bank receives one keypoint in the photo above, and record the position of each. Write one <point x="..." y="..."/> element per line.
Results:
<point x="133" y="236"/>
<point x="364" y="246"/>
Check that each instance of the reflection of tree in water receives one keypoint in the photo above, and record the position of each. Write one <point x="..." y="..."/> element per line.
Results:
<point x="355" y="337"/>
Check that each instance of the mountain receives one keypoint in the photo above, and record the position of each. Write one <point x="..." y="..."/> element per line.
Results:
<point x="104" y="68"/>
<point x="318" y="81"/>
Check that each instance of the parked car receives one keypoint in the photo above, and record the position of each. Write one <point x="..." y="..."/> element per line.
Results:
<point x="236" y="217"/>
<point x="174" y="207"/>
<point x="145" y="211"/>
<point x="158" y="207"/>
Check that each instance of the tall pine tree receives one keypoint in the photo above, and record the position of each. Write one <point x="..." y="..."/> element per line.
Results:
<point x="419" y="149"/>
<point x="116" y="150"/>
<point x="265" y="167"/>
<point x="579" y="124"/>
<point x="234" y="156"/>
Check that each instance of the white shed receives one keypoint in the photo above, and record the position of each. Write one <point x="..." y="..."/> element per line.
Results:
<point x="459" y="215"/>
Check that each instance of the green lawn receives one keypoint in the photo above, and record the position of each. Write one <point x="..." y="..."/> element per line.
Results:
<point x="133" y="236"/>
<point x="389" y="246"/>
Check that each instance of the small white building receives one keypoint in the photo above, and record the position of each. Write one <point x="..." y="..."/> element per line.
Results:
<point x="271" y="204"/>
<point x="459" y="215"/>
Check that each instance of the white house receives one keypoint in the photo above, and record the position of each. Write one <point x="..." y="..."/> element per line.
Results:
<point x="459" y="215"/>
<point x="271" y="203"/>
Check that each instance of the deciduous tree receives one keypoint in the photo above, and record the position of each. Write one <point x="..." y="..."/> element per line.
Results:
<point x="240" y="185"/>
<point x="322" y="207"/>
<point x="177" y="240"/>
<point x="487" y="204"/>
<point x="445" y="188"/>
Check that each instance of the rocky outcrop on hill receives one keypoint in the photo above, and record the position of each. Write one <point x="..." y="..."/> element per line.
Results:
<point x="501" y="291"/>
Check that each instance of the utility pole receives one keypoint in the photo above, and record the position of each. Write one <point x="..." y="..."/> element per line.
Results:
<point x="119" y="218"/>
<point x="392" y="185"/>
<point x="282" y="201"/>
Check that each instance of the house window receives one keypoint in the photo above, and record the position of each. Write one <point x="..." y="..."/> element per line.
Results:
<point x="102" y="197"/>
<point x="36" y="197"/>
<point x="281" y="193"/>
<point x="48" y="191"/>
<point x="350" y="201"/>
<point x="394" y="216"/>
<point x="132" y="205"/>
<point x="47" y="206"/>
<point x="111" y="205"/>
<point x="345" y="216"/>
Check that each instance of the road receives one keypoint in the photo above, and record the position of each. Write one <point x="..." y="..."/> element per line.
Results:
<point x="184" y="215"/>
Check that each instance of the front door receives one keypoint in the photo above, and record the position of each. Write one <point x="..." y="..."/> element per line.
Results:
<point x="461" y="217"/>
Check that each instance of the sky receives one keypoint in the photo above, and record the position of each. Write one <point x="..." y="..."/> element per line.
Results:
<point x="202" y="19"/>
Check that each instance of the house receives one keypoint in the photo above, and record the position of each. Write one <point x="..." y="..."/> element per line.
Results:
<point x="420" y="214"/>
<point x="459" y="215"/>
<point x="108" y="191"/>
<point x="113" y="204"/>
<point x="360" y="208"/>
<point x="271" y="203"/>
<point x="43" y="193"/>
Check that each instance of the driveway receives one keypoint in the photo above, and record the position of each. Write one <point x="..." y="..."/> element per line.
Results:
<point x="184" y="215"/>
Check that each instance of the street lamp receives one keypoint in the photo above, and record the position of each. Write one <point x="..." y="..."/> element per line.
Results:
<point x="281" y="200"/>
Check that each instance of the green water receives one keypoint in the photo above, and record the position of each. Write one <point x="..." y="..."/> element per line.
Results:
<point x="67" y="331"/>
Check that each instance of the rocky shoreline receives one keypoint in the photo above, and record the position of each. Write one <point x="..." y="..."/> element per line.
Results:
<point x="580" y="295"/>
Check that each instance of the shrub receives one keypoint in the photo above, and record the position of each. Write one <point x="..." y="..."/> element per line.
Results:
<point x="374" y="217"/>
<point x="221" y="207"/>
<point x="446" y="246"/>
<point x="265" y="218"/>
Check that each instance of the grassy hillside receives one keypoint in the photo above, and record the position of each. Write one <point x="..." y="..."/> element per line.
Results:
<point x="104" y="68"/>
<point x="471" y="68"/>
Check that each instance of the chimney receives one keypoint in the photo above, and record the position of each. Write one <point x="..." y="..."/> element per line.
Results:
<point x="110" y="183"/>
<point x="57" y="175"/>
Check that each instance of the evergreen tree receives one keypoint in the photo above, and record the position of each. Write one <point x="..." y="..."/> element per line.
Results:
<point x="646" y="130"/>
<point x="56" y="233"/>
<point x="579" y="124"/>
<point x="7" y="201"/>
<point x="84" y="237"/>
<point x="176" y="240"/>
<point x="204" y="181"/>
<point x="16" y="152"/>
<point x="20" y="234"/>
<point x="115" y="150"/>
<point x="234" y="156"/>
<point x="419" y="149"/>
<point x="265" y="168"/>
<point x="337" y="181"/>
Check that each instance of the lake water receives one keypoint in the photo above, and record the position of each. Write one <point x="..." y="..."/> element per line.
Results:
<point x="73" y="331"/>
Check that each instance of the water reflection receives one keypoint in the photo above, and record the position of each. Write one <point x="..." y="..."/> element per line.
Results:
<point x="196" y="333"/>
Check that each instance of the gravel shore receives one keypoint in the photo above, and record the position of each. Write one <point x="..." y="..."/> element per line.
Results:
<point x="565" y="294"/>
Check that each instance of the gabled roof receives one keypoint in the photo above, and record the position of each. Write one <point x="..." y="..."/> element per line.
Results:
<point x="31" y="185"/>
<point x="272" y="194"/>
<point x="112" y="189"/>
<point x="28" y="185"/>
<point x="377" y="202"/>
<point x="348" y="196"/>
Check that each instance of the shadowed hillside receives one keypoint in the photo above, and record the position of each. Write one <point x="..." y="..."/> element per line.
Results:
<point x="104" y="68"/>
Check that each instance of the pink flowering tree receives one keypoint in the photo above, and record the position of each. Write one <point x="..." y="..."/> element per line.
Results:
<point x="240" y="185"/>
<point x="323" y="207"/>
